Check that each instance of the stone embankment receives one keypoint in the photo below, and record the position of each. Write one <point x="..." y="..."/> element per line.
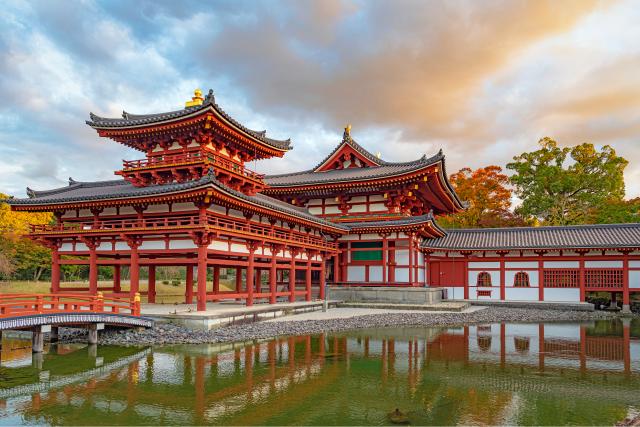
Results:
<point x="165" y="333"/>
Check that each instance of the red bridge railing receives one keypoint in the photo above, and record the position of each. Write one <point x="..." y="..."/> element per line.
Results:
<point x="15" y="305"/>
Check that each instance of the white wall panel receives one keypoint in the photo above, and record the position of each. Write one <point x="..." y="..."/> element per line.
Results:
<point x="122" y="246"/>
<point x="521" y="294"/>
<point x="182" y="244"/>
<point x="375" y="273"/>
<point x="554" y="294"/>
<point x="152" y="245"/>
<point x="634" y="264"/>
<point x="484" y="265"/>
<point x="105" y="246"/>
<point x="157" y="208"/>
<point x="218" y="245"/>
<point x="603" y="264"/>
<point x="332" y="210"/>
<point x="355" y="273"/>
<point x="127" y="210"/>
<point x="521" y="264"/>
<point x="561" y="264"/>
<point x="315" y="211"/>
<point x="81" y="247"/>
<point x="66" y="247"/>
<point x="402" y="256"/>
<point x="358" y="208"/>
<point x="240" y="248"/>
<point x="402" y="274"/>
<point x="634" y="279"/>
<point x="377" y="207"/>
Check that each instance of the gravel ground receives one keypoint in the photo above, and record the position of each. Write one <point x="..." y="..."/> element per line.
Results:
<point x="165" y="333"/>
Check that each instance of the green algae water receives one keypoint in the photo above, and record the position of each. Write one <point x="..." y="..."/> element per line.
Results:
<point x="525" y="374"/>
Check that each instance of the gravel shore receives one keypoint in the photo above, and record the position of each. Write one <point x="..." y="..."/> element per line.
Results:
<point x="165" y="333"/>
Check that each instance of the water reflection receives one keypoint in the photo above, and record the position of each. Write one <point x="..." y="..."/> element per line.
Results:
<point x="555" y="373"/>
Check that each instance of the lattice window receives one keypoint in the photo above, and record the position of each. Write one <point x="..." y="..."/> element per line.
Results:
<point x="484" y="279"/>
<point x="603" y="278"/>
<point x="521" y="280"/>
<point x="561" y="278"/>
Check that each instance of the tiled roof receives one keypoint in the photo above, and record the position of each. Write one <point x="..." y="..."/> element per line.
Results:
<point x="577" y="236"/>
<point x="134" y="120"/>
<point x="118" y="189"/>
<point x="347" y="140"/>
<point x="399" y="222"/>
<point x="351" y="174"/>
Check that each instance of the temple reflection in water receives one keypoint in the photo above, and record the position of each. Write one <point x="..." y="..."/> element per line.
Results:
<point x="552" y="373"/>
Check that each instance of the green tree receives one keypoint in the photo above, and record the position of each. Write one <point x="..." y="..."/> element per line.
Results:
<point x="616" y="212"/>
<point x="563" y="185"/>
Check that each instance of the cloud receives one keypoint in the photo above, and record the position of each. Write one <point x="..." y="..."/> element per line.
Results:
<point x="484" y="80"/>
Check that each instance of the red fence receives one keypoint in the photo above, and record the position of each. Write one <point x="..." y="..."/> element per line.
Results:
<point x="236" y="226"/>
<point x="15" y="305"/>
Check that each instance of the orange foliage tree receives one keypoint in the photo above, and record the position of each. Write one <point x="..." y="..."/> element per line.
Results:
<point x="488" y="196"/>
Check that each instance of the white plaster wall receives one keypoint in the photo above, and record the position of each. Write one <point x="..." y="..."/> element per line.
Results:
<point x="484" y="265"/>
<point x="402" y="274"/>
<point x="109" y="211"/>
<point x="634" y="264"/>
<point x="182" y="244"/>
<point x="634" y="279"/>
<point x="239" y="247"/>
<point x="370" y="236"/>
<point x="122" y="246"/>
<point x="315" y="211"/>
<point x="523" y="265"/>
<point x="157" y="208"/>
<point x="495" y="278"/>
<point x="562" y="294"/>
<point x="521" y="294"/>
<point x="104" y="246"/>
<point x="218" y="209"/>
<point x="218" y="245"/>
<point x="510" y="275"/>
<point x="331" y="210"/>
<point x="375" y="273"/>
<point x="561" y="264"/>
<point x="154" y="244"/>
<point x="377" y="207"/>
<point x="358" y="208"/>
<point x="421" y="275"/>
<point x="85" y="212"/>
<point x="66" y="247"/>
<point x="603" y="264"/>
<point x="359" y="199"/>
<point x="315" y="202"/>
<point x="402" y="257"/>
<point x="127" y="210"/>
<point x="235" y="213"/>
<point x="69" y="214"/>
<point x="355" y="273"/>
<point x="376" y="198"/>
<point x="81" y="247"/>
<point x="420" y="258"/>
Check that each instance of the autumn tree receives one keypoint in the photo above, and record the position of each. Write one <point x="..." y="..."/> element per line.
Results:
<point x="488" y="196"/>
<point x="562" y="185"/>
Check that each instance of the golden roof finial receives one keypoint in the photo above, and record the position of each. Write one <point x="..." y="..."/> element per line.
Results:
<point x="197" y="99"/>
<point x="348" y="129"/>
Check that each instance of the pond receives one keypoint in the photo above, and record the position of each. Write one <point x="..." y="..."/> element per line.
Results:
<point x="527" y="374"/>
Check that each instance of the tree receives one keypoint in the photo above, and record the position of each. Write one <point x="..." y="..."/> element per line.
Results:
<point x="616" y="212"/>
<point x="562" y="185"/>
<point x="489" y="197"/>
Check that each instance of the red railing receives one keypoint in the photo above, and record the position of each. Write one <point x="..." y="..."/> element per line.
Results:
<point x="185" y="158"/>
<point x="224" y="224"/>
<point x="14" y="305"/>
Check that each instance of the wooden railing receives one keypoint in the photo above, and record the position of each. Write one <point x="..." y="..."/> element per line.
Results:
<point x="177" y="159"/>
<point x="224" y="224"/>
<point x="15" y="305"/>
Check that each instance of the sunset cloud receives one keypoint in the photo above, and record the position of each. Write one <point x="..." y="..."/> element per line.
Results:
<point x="482" y="80"/>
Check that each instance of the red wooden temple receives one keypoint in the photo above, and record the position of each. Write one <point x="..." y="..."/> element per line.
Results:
<point x="354" y="219"/>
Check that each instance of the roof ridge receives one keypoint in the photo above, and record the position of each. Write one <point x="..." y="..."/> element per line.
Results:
<point x="544" y="227"/>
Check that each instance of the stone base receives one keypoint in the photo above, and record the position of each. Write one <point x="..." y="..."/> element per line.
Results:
<point x="394" y="295"/>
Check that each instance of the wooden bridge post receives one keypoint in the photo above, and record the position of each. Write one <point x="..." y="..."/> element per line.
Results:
<point x="37" y="338"/>
<point x="93" y="332"/>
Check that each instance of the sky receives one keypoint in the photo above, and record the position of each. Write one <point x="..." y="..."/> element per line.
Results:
<point x="483" y="80"/>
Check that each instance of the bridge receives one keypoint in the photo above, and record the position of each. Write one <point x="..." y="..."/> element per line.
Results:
<point x="45" y="313"/>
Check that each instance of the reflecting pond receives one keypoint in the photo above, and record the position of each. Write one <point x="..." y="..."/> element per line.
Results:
<point x="529" y="374"/>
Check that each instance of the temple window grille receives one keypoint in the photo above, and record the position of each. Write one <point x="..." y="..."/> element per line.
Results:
<point x="521" y="280"/>
<point x="484" y="279"/>
<point x="603" y="278"/>
<point x="561" y="278"/>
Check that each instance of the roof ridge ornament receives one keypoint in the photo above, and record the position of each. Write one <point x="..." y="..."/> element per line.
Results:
<point x="346" y="136"/>
<point x="31" y="193"/>
<point x="210" y="98"/>
<point x="196" y="100"/>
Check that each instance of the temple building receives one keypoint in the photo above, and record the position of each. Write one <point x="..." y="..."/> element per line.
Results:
<point x="353" y="220"/>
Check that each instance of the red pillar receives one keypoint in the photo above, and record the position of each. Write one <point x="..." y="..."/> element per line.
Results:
<point x="202" y="277"/>
<point x="410" y="259"/>
<point x="93" y="270"/>
<point x="151" y="295"/>
<point x="272" y="276"/>
<point x="250" y="283"/>
<point x="134" y="271"/>
<point x="307" y="278"/>
<point x="188" y="296"/>
<point x="55" y="270"/>
<point x="336" y="268"/>
<point x="322" y="277"/>
<point x="117" y="271"/>
<point x="238" y="280"/>
<point x="626" y="297"/>
<point x="465" y="279"/>
<point x="292" y="276"/>
<point x="503" y="291"/>
<point x="582" y="284"/>
<point x="385" y="249"/>
<point x="540" y="278"/>
<point x="216" y="279"/>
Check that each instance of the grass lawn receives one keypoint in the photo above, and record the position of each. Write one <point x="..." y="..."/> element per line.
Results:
<point x="165" y="293"/>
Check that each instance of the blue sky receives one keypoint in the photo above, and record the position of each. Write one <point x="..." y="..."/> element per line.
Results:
<point x="481" y="80"/>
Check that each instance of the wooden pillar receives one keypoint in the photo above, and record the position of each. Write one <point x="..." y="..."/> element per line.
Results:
<point x="336" y="268"/>
<point x="385" y="257"/>
<point x="188" y="296"/>
<point x="202" y="277"/>
<point x="55" y="270"/>
<point x="322" y="277"/>
<point x="410" y="259"/>
<point x="503" y="291"/>
<point x="292" y="276"/>
<point x="117" y="274"/>
<point x="626" y="297"/>
<point x="151" y="294"/>
<point x="93" y="269"/>
<point x="216" y="279"/>
<point x="344" y="255"/>
<point x="238" y="280"/>
<point x="250" y="283"/>
<point x="465" y="279"/>
<point x="134" y="270"/>
<point x="307" y="278"/>
<point x="273" y="273"/>
<point x="540" y="277"/>
<point x="582" y="281"/>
